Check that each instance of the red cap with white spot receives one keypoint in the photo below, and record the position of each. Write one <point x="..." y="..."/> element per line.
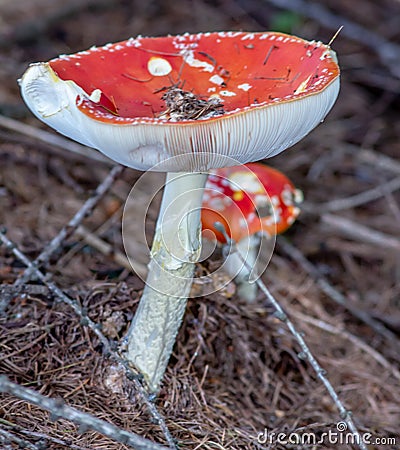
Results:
<point x="249" y="199"/>
<point x="259" y="93"/>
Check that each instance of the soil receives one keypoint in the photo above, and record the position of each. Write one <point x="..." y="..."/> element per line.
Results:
<point x="236" y="370"/>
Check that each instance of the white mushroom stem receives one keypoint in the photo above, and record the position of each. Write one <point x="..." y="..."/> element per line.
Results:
<point x="247" y="250"/>
<point x="175" y="250"/>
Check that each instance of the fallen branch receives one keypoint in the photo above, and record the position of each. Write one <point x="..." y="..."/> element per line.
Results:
<point x="354" y="200"/>
<point x="27" y="289"/>
<point x="377" y="160"/>
<point x="86" y="209"/>
<point x="58" y="409"/>
<point x="388" y="52"/>
<point x="106" y="249"/>
<point x="350" y="337"/>
<point x="53" y="139"/>
<point x="305" y="353"/>
<point x="358" y="232"/>
<point x="86" y="321"/>
<point x="6" y="437"/>
<point x="33" y="29"/>
<point x="41" y="439"/>
<point x="333" y="293"/>
<point x="56" y="291"/>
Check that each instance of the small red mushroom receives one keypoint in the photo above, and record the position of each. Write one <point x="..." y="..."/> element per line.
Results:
<point x="188" y="104"/>
<point x="249" y="201"/>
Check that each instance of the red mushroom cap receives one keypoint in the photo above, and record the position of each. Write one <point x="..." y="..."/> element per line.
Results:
<point x="262" y="92"/>
<point x="249" y="199"/>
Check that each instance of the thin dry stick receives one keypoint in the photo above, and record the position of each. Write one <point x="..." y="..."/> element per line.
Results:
<point x="86" y="209"/>
<point x="53" y="139"/>
<point x="56" y="291"/>
<point x="296" y="255"/>
<point x="305" y="353"/>
<point x="355" y="200"/>
<point x="378" y="160"/>
<point x="368" y="155"/>
<point x="350" y="337"/>
<point x="388" y="52"/>
<point x="34" y="28"/>
<point x="58" y="409"/>
<point x="86" y="321"/>
<point x="6" y="437"/>
<point x="345" y="414"/>
<point x="27" y="289"/>
<point x="358" y="232"/>
<point x="40" y="438"/>
<point x="106" y="249"/>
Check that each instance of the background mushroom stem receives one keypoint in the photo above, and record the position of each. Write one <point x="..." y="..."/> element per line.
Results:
<point x="247" y="249"/>
<point x="175" y="250"/>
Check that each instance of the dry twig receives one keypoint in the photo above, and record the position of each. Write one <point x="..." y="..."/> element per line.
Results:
<point x="350" y="337"/>
<point x="305" y="353"/>
<point x="354" y="200"/>
<point x="53" y="139"/>
<point x="332" y="293"/>
<point x="58" y="409"/>
<point x="86" y="321"/>
<point x="40" y="438"/>
<point x="360" y="232"/>
<point x="377" y="160"/>
<point x="27" y="289"/>
<point x="388" y="52"/>
<point x="6" y="437"/>
<point x="184" y="105"/>
<point x="35" y="28"/>
<point x="106" y="249"/>
<point x="86" y="209"/>
<point x="56" y="291"/>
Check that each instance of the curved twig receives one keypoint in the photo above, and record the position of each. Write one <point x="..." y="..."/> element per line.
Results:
<point x="59" y="409"/>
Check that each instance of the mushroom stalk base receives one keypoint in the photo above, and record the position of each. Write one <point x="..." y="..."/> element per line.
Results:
<point x="247" y="249"/>
<point x="175" y="250"/>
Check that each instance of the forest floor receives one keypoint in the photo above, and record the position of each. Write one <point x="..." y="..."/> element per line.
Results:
<point x="236" y="369"/>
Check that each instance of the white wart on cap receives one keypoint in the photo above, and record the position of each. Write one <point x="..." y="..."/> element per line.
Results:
<point x="273" y="88"/>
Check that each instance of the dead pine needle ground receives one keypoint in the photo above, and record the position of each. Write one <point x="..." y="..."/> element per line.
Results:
<point x="237" y="375"/>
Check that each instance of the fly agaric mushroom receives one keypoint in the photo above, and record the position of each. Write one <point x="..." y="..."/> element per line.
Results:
<point x="186" y="104"/>
<point x="248" y="201"/>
